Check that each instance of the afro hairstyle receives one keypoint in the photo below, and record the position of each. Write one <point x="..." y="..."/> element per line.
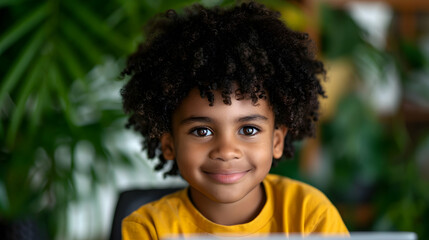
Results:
<point x="215" y="49"/>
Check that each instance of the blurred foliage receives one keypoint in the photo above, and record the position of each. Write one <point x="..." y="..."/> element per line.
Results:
<point x="374" y="165"/>
<point x="370" y="166"/>
<point x="373" y="168"/>
<point x="59" y="99"/>
<point x="340" y="34"/>
<point x="60" y="111"/>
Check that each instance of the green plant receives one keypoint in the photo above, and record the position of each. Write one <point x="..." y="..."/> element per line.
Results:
<point x="59" y="99"/>
<point x="57" y="120"/>
<point x="372" y="155"/>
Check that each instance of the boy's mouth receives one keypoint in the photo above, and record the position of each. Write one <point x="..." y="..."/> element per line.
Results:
<point x="226" y="177"/>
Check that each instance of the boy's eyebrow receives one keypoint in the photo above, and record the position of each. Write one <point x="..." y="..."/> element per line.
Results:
<point x="192" y="119"/>
<point x="195" y="119"/>
<point x="252" y="118"/>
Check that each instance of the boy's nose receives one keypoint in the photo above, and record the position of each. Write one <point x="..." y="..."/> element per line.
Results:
<point x="226" y="149"/>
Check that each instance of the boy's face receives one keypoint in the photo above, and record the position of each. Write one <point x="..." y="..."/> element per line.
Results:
<point x="223" y="151"/>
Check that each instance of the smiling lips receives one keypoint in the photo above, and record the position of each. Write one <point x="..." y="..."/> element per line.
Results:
<point x="227" y="178"/>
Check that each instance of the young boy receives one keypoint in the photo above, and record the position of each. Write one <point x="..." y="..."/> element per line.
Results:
<point x="223" y="93"/>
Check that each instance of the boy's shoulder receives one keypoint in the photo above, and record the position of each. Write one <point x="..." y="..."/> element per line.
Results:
<point x="167" y="204"/>
<point x="304" y="207"/>
<point x="287" y="190"/>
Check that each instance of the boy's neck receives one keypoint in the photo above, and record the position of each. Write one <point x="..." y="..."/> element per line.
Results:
<point x="228" y="214"/>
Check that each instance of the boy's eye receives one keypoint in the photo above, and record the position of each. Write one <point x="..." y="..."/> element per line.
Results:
<point x="248" y="131"/>
<point x="202" y="132"/>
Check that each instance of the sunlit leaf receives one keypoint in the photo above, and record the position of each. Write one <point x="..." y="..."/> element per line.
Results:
<point x="22" y="27"/>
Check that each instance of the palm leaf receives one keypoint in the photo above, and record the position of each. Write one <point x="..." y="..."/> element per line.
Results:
<point x="66" y="39"/>
<point x="82" y="41"/>
<point x="22" y="101"/>
<point x="70" y="61"/>
<point x="57" y="83"/>
<point x="4" y="3"/>
<point x="22" y="63"/>
<point x="22" y="27"/>
<point x="41" y="102"/>
<point x="97" y="26"/>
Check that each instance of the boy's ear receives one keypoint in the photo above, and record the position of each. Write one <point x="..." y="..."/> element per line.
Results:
<point x="167" y="146"/>
<point x="279" y="140"/>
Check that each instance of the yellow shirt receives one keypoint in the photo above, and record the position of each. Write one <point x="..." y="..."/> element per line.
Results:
<point x="291" y="207"/>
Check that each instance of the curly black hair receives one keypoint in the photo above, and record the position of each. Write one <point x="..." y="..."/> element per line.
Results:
<point x="215" y="49"/>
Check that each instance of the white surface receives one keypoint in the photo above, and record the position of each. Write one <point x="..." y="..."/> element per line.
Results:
<point x="354" y="236"/>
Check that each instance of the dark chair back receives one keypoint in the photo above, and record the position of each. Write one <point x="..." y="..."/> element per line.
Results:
<point x="131" y="200"/>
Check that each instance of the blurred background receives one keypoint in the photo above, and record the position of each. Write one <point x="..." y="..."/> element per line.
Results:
<point x="65" y="154"/>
